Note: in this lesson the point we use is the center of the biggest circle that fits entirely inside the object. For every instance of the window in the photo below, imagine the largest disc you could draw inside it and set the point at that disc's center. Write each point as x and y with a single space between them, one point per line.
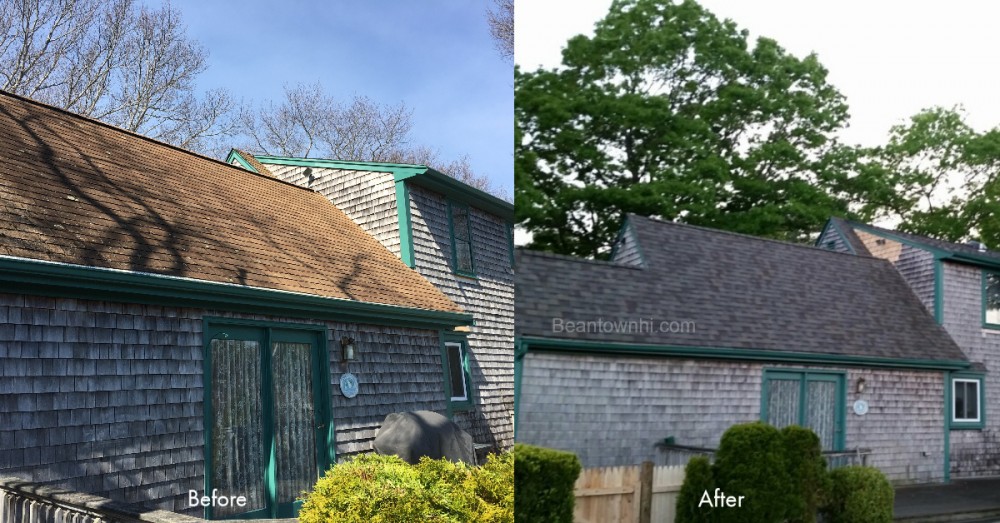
266 415
510 242
461 240
967 402
991 299
455 357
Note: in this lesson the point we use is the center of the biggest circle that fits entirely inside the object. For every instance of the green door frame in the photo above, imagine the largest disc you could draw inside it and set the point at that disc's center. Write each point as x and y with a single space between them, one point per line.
804 376
266 333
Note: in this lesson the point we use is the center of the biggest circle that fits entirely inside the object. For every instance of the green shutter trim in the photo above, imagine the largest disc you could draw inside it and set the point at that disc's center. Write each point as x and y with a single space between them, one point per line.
233 155
405 224
729 353
20 275
420 174
520 350
947 426
939 291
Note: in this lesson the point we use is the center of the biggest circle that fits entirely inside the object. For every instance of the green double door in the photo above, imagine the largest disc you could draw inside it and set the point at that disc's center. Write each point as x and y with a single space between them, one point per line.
269 421
809 399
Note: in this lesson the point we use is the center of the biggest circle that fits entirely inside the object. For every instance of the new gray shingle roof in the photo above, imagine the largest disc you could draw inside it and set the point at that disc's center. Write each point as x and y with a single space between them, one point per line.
739 291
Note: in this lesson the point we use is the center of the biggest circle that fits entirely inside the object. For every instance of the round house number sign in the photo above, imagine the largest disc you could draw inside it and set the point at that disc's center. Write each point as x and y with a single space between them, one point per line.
349 385
861 407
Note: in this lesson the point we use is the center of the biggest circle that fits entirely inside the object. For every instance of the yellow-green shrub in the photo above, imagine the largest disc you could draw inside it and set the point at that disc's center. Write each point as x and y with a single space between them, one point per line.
385 489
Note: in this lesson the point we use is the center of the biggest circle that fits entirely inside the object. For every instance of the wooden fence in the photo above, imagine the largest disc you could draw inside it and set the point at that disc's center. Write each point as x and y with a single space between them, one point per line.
638 494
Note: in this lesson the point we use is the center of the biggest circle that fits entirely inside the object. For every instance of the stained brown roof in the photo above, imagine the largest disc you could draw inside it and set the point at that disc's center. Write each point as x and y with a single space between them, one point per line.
77 191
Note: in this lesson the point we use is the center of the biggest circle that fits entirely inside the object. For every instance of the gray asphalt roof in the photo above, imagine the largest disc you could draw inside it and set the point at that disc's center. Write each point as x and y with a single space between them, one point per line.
737 291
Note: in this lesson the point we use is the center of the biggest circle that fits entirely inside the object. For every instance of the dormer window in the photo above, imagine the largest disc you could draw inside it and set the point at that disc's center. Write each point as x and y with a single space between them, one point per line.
991 299
461 240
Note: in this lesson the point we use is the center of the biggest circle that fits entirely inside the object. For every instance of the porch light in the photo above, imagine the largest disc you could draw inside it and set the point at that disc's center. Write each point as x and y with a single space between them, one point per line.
347 344
861 385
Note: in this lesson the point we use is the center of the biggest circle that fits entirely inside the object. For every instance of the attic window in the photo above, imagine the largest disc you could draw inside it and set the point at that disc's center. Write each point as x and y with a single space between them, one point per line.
461 240
831 245
991 299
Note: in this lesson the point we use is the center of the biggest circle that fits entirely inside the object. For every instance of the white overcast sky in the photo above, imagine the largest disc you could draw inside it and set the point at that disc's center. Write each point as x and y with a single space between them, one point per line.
890 58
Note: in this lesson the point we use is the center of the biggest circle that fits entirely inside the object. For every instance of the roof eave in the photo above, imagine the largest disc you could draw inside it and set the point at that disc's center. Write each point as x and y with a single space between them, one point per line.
36 277
729 353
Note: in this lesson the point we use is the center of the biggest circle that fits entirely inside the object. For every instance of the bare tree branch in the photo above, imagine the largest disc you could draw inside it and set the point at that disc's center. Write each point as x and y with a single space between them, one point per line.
501 20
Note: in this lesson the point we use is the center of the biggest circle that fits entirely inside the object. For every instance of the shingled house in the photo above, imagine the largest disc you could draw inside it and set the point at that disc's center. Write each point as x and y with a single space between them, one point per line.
960 285
687 331
460 239
171 323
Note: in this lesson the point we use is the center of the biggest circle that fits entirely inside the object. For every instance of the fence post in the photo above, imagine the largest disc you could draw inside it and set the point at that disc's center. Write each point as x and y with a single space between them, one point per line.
646 492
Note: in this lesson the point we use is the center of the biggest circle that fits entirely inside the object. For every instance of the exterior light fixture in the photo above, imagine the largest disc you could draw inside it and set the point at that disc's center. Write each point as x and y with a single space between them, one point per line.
861 385
347 344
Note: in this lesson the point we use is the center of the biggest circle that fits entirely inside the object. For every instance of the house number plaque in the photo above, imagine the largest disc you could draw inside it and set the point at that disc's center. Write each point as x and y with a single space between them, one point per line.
861 407
349 385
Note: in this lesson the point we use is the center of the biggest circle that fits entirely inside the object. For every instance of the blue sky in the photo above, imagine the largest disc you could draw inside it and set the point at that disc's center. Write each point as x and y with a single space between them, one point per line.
436 56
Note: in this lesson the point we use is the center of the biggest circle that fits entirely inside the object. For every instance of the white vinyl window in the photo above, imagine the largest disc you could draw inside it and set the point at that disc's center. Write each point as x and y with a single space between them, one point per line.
965 400
455 352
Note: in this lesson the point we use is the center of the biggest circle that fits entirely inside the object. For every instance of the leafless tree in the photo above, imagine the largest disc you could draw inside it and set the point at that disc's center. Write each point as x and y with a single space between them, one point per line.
501 19
311 123
116 61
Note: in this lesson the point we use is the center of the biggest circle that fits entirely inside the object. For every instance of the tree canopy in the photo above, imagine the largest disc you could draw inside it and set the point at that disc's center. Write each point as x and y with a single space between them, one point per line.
668 111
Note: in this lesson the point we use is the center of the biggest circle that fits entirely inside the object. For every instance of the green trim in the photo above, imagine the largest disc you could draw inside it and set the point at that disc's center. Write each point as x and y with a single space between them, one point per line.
510 241
419 174
405 224
938 291
728 353
519 351
804 376
947 426
469 402
843 238
19 275
454 252
980 378
627 227
233 155
984 285
264 333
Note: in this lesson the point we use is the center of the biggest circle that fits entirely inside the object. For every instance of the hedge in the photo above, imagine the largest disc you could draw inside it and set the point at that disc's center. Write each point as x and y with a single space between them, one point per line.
859 495
386 489
543 482
697 480
807 472
750 462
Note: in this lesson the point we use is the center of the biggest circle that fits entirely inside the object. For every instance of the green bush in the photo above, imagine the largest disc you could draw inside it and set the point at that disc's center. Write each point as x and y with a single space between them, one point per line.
697 480
386 489
807 472
543 481
750 462
859 495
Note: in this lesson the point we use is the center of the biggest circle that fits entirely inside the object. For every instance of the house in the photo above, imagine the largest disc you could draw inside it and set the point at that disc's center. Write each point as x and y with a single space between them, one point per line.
170 323
960 285
460 239
687 331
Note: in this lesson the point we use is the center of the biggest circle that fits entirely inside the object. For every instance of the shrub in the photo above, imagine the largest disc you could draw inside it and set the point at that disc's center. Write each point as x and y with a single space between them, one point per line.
750 462
807 472
697 480
543 482
386 489
859 495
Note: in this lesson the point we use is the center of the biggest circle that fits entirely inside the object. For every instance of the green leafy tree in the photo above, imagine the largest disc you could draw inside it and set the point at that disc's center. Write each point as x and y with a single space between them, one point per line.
945 177
668 111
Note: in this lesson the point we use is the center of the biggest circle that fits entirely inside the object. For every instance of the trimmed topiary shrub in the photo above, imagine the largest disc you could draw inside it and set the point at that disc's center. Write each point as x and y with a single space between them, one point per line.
750 462
386 489
859 495
543 482
697 480
807 472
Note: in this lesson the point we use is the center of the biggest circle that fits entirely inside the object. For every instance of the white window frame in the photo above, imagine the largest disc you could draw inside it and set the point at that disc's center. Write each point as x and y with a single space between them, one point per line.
461 362
979 395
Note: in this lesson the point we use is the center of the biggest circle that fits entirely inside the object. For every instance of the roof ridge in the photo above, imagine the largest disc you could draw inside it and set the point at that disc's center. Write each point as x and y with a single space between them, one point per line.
812 248
922 238
141 136
364 162
577 259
